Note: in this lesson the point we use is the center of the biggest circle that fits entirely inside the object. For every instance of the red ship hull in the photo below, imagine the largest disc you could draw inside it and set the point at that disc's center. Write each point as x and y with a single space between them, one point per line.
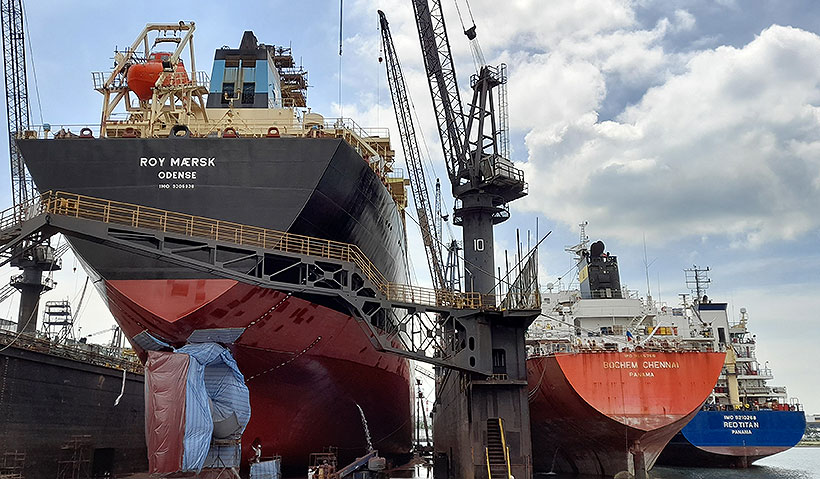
591 411
307 367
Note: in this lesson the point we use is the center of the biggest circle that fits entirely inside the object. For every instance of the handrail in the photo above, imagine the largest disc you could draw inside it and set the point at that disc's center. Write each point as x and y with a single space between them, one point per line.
506 449
115 212
89 353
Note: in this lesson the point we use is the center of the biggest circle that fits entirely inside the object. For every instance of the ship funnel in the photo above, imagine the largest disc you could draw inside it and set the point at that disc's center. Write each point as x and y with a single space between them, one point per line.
249 41
597 249
598 275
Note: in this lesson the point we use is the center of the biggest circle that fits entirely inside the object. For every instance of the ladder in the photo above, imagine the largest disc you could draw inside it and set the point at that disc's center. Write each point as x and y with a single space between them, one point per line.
497 453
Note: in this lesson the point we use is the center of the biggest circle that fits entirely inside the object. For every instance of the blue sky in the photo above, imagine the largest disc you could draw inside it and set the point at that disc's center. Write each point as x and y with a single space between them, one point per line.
692 123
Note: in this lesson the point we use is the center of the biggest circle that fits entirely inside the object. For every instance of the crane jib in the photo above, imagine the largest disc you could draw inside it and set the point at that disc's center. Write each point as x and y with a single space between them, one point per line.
412 153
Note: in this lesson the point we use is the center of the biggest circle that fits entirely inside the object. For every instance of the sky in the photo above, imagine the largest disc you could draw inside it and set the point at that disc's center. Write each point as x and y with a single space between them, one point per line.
689 129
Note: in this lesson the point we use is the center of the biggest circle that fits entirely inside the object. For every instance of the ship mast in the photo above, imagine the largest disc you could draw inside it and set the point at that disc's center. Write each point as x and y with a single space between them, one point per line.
697 280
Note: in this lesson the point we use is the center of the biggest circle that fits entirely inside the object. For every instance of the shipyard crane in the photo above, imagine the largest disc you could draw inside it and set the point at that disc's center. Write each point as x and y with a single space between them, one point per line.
430 234
452 265
17 107
471 32
34 256
116 338
437 212
9 289
483 181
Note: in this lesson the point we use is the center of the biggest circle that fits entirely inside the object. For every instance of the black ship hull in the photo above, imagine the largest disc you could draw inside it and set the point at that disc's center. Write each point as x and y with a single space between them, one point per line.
311 186
49 403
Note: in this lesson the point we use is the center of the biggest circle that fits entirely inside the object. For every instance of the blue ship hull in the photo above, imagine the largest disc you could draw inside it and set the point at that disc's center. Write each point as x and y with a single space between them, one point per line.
733 438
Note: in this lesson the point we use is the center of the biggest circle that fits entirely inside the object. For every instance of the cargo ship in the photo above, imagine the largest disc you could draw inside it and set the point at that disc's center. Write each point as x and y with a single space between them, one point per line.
745 418
609 387
68 408
242 146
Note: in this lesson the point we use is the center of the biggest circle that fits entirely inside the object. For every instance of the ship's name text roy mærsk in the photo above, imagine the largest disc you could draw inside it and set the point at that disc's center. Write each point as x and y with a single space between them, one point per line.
177 162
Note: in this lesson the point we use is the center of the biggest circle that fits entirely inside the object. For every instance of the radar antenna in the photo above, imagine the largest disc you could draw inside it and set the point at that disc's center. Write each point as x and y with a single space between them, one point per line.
697 280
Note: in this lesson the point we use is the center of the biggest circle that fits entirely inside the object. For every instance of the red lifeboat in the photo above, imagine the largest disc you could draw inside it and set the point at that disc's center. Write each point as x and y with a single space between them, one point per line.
143 76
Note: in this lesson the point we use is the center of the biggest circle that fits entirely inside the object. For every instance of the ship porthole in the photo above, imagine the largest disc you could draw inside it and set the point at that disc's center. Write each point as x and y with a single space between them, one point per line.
472 361
471 343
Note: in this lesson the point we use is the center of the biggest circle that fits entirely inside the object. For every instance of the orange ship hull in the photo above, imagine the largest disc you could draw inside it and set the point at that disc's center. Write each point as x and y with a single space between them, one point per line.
308 368
594 412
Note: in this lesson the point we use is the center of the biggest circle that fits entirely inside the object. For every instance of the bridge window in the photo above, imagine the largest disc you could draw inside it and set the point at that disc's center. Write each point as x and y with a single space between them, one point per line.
247 93
248 84
229 83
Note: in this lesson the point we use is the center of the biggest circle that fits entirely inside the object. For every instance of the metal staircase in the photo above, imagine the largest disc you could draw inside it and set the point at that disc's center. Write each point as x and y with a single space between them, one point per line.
497 453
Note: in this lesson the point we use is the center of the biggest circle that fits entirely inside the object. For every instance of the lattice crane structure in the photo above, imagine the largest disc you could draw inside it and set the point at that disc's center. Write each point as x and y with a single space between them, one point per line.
35 256
430 234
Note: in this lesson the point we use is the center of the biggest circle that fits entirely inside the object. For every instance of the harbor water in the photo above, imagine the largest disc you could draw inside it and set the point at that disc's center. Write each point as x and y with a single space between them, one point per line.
796 463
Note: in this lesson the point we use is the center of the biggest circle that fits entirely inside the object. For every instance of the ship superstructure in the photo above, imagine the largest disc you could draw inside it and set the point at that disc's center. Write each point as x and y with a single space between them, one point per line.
256 90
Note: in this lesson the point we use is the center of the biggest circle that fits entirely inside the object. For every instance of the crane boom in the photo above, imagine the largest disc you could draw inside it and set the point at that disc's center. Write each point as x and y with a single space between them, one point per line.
17 107
412 155
483 181
441 76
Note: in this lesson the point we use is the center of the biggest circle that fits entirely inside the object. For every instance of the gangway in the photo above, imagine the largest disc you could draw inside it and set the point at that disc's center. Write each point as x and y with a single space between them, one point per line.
428 324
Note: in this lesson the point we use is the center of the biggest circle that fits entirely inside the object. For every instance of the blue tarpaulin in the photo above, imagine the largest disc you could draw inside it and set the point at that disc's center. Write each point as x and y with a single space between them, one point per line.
217 401
266 470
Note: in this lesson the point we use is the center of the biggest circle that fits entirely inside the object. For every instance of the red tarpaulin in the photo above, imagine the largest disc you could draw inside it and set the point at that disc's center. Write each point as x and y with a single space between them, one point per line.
165 379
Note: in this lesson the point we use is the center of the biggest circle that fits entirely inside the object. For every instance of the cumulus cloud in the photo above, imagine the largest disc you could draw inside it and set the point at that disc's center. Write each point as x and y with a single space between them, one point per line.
729 146
636 134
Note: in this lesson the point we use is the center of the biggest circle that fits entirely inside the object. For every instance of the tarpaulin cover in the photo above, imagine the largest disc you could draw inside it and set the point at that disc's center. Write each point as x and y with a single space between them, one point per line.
191 394
215 395
266 470
165 378
223 455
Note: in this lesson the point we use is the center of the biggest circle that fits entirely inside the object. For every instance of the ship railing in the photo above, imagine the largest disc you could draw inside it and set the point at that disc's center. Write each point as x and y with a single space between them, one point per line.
55 130
350 124
107 211
98 79
433 297
247 128
194 79
370 143
757 390
10 218
93 354
538 346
